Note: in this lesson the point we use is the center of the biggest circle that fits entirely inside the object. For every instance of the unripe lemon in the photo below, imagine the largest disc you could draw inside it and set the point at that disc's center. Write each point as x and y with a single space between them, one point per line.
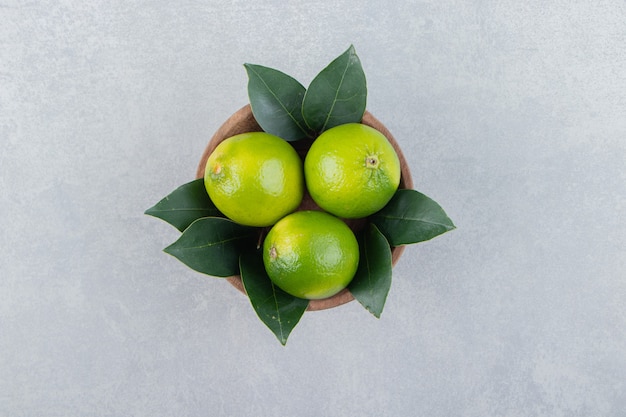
352 170
311 254
254 178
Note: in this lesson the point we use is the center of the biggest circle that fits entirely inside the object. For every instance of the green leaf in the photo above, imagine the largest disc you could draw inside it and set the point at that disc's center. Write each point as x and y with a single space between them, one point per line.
337 95
184 205
212 245
372 280
411 217
277 309
276 101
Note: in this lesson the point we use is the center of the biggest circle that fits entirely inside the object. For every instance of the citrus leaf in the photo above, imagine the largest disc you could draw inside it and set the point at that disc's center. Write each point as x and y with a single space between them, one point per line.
184 205
411 217
212 245
372 280
277 309
337 95
276 101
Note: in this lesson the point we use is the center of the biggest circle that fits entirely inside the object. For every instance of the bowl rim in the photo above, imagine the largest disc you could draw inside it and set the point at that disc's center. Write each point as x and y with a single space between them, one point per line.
243 121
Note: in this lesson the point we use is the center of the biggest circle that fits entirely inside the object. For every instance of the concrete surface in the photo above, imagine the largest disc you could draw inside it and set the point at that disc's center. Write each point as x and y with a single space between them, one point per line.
512 116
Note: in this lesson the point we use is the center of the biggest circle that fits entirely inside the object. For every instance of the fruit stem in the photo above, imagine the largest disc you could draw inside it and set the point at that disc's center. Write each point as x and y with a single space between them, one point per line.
262 234
371 161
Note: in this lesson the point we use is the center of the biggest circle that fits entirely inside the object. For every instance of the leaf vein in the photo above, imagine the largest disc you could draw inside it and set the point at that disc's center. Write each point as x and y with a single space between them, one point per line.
181 209
210 244
332 107
417 220
289 113
278 318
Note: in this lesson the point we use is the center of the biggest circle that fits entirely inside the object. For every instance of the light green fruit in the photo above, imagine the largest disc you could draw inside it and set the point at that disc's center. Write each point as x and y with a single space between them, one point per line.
254 178
352 170
311 254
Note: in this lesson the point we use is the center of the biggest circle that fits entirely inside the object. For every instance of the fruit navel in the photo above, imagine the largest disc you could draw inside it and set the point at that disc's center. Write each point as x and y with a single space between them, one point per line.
215 170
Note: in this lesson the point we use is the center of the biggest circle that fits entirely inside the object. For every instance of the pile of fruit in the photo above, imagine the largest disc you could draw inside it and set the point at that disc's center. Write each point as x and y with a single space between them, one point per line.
246 216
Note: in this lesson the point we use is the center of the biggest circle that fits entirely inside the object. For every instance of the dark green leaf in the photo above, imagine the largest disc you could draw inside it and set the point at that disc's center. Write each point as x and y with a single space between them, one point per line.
185 204
212 245
276 101
411 217
277 309
372 281
337 95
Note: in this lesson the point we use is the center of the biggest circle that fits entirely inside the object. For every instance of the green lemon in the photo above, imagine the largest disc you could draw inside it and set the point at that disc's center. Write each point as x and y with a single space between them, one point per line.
352 170
311 254
254 178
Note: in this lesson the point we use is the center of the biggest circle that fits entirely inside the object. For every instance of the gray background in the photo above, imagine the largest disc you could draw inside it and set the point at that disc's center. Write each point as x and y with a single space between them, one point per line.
512 115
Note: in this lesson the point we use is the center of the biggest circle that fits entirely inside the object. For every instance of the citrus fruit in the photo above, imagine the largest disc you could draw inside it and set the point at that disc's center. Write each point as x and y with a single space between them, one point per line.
254 178
311 254
352 170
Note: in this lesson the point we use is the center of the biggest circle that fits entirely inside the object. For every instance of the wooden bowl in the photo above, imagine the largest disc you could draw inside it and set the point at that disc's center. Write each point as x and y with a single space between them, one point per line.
243 121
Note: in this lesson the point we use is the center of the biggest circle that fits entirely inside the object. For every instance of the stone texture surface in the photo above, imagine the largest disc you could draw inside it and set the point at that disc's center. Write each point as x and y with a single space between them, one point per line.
511 115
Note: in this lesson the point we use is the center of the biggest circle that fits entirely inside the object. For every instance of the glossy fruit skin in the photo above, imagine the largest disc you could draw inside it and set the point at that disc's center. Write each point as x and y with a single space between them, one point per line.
352 170
311 254
255 178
